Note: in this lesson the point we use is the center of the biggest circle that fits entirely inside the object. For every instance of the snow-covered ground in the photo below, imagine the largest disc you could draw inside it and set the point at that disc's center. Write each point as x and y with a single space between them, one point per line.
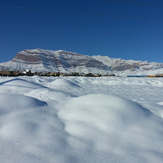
81 120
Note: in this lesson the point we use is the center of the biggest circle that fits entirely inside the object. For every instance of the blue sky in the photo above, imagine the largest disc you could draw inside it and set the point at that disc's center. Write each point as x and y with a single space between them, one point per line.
128 29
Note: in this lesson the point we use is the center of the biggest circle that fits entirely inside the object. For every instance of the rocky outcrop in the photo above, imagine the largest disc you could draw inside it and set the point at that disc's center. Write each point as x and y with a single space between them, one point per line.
27 58
48 60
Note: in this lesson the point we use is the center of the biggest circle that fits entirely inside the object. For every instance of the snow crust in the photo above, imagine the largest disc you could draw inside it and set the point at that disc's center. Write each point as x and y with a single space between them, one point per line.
81 120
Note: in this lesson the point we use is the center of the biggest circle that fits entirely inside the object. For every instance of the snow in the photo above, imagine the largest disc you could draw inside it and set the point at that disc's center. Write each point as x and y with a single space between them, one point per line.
81 120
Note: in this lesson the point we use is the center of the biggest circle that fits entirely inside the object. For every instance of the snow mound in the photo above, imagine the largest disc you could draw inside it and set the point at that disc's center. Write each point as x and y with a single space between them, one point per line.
20 83
18 102
160 103
113 126
29 132
16 120
116 107
62 83
18 86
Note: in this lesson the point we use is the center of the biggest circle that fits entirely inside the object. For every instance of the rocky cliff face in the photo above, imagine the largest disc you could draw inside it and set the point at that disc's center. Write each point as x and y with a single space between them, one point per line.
31 58
48 60
64 61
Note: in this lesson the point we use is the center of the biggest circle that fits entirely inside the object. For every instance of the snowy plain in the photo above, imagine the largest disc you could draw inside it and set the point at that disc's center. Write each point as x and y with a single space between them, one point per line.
81 120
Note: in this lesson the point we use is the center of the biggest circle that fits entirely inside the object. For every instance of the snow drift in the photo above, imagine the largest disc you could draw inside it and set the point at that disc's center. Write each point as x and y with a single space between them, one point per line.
82 120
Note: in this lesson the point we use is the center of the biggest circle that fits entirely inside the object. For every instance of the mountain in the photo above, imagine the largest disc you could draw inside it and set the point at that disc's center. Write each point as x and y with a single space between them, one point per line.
128 67
63 61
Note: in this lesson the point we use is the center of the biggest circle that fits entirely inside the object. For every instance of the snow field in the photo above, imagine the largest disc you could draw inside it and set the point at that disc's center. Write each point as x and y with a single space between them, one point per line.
78 119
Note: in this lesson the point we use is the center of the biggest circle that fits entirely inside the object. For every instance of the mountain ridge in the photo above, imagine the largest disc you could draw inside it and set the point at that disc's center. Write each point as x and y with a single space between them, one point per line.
64 61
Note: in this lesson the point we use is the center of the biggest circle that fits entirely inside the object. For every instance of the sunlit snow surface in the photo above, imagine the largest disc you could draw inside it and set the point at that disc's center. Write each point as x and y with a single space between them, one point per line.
81 120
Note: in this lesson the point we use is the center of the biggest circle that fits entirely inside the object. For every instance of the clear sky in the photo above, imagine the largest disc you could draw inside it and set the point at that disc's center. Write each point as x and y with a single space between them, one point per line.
128 29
